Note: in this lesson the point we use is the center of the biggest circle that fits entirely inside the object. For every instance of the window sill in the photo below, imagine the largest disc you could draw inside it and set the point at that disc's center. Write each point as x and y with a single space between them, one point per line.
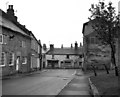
24 63
11 64
2 65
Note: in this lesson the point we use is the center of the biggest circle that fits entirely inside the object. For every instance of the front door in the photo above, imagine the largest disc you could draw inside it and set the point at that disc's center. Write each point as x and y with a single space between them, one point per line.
17 63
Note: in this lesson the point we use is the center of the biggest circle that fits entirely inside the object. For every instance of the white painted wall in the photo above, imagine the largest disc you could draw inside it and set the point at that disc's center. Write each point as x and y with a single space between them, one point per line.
63 57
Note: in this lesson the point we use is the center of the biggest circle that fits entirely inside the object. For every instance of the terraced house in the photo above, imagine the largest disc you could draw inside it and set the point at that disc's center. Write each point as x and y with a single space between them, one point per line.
36 50
15 45
64 57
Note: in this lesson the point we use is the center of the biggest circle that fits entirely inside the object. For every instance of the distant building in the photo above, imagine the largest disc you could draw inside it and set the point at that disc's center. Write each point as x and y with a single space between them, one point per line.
44 51
70 57
94 51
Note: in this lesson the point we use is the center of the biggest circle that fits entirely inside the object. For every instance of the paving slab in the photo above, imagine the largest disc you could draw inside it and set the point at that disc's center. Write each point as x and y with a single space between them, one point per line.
78 86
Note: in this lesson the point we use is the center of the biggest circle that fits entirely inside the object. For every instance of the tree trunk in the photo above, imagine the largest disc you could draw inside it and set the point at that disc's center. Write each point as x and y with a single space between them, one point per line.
113 59
106 69
94 69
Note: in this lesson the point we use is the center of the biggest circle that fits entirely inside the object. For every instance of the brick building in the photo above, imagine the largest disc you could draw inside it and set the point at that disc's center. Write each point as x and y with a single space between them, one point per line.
94 51
64 57
19 48
36 50
15 46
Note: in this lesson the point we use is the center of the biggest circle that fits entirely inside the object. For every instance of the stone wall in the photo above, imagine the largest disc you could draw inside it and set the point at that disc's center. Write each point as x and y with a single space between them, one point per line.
13 44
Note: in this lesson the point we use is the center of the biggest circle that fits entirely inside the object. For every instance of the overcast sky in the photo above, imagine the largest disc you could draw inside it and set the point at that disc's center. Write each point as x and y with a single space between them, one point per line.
53 21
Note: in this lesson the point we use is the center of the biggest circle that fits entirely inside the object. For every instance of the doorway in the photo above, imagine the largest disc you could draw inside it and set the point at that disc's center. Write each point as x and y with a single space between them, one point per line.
17 63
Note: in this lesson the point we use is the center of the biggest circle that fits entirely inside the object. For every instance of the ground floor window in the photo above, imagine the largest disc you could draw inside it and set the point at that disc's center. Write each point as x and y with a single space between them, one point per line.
24 60
11 59
53 63
68 62
1 38
2 59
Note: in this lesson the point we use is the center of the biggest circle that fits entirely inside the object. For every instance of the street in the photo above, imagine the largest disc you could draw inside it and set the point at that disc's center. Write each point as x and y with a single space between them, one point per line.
50 82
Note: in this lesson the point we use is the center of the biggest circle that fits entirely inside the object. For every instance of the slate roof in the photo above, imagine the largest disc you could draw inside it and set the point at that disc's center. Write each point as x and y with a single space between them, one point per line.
8 24
65 51
87 27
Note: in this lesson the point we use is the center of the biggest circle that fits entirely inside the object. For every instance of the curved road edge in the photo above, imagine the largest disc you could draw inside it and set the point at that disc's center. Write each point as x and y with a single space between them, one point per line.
94 89
66 83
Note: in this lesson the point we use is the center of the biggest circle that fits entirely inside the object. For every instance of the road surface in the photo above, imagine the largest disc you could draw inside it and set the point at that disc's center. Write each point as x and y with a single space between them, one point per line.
46 83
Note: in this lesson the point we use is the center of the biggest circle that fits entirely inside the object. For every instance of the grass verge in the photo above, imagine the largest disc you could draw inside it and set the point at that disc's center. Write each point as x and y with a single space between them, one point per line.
107 84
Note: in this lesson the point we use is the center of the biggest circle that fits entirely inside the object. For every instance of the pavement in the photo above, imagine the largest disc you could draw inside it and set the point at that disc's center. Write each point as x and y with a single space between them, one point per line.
94 89
78 86
19 75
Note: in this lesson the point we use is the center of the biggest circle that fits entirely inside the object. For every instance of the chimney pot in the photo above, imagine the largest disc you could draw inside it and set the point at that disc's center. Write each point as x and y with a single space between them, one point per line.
11 6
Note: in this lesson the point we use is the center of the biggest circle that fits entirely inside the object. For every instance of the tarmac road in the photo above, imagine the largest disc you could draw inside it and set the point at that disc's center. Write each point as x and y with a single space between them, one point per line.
46 83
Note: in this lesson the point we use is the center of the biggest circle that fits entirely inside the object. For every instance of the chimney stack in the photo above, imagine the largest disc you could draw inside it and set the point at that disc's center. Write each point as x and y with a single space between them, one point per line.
62 46
10 10
51 47
80 44
71 46
44 47
11 14
76 45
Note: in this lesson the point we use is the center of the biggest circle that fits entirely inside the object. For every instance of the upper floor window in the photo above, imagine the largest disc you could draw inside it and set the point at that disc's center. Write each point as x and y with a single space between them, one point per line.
11 59
33 45
1 38
23 44
38 49
92 40
2 59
